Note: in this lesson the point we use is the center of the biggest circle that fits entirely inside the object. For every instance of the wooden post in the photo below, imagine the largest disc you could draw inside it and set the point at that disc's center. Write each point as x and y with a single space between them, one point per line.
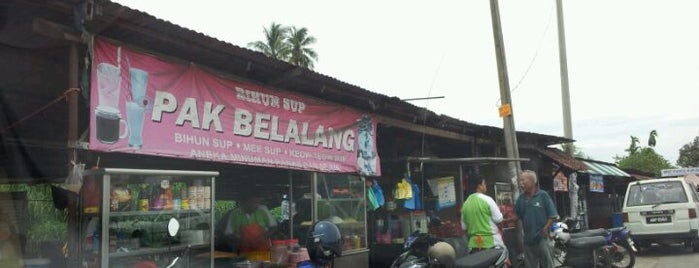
74 206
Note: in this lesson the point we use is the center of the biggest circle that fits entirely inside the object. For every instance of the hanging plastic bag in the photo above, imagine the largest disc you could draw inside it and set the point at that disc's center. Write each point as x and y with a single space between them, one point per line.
378 193
414 203
404 189
70 189
373 204
74 181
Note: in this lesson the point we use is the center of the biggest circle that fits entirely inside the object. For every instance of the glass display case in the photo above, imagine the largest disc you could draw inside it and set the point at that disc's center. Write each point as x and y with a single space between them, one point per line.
128 225
340 199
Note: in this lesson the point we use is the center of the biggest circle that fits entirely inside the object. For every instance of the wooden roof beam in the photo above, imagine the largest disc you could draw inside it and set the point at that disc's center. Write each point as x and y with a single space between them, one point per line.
422 129
55 30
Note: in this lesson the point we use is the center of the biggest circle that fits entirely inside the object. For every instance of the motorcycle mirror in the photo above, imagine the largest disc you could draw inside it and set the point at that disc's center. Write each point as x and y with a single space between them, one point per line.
173 226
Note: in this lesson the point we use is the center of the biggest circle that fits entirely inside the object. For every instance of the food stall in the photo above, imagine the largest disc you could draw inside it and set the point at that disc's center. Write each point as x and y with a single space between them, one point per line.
283 147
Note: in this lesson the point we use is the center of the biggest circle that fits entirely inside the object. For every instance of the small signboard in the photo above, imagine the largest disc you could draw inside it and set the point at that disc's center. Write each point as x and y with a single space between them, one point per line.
676 172
445 190
505 110
505 201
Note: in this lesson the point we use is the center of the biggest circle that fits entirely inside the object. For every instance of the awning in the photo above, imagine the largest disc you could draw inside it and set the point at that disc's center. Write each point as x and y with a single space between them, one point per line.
604 169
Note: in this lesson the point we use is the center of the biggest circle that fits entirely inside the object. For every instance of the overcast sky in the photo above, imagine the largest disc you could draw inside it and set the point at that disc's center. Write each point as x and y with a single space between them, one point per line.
633 65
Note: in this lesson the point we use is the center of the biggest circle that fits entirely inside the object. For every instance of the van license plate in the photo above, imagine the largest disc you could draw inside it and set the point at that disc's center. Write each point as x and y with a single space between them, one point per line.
658 219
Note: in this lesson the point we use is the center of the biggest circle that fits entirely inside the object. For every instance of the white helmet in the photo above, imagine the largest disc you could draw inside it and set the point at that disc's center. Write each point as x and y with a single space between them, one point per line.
562 236
444 253
559 227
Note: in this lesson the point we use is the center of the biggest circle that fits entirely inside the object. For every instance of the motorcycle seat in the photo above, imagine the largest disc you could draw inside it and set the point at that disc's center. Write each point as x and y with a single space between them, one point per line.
587 233
616 229
587 242
485 258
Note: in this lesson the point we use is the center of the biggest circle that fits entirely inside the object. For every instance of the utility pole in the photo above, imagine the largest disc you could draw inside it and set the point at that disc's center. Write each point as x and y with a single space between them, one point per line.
565 93
506 108
506 112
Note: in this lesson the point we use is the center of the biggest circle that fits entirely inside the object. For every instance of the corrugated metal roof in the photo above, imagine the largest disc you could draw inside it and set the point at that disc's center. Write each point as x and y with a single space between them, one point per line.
605 169
562 158
639 175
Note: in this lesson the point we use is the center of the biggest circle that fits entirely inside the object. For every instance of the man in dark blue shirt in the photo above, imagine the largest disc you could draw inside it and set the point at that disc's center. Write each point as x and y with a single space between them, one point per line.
537 212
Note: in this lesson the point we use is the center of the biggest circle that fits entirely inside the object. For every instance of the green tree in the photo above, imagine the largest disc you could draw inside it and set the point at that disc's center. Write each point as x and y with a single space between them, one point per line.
689 154
575 150
651 138
275 44
299 42
645 159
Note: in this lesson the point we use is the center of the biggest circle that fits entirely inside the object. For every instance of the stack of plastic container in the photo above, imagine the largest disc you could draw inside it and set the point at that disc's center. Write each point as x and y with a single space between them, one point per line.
297 254
280 252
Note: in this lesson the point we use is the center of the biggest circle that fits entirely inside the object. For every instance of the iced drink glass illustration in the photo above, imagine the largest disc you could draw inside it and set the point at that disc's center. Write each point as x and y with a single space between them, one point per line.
109 85
139 83
134 114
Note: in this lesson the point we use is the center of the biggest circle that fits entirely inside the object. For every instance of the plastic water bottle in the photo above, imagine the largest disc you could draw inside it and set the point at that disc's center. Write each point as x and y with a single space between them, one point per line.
285 208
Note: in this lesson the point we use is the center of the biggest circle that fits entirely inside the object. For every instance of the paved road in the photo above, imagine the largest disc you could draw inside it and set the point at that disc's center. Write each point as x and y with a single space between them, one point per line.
675 256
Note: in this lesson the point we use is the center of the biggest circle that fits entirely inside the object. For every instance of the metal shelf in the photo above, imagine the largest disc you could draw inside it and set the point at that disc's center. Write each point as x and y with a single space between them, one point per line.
156 212
341 199
155 250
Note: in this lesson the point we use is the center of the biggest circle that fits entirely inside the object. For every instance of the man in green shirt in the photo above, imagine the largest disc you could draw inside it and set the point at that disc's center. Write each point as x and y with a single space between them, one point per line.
537 212
250 225
480 216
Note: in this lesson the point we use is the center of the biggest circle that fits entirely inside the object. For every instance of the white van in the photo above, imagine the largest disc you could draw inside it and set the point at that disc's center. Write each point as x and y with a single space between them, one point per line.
662 211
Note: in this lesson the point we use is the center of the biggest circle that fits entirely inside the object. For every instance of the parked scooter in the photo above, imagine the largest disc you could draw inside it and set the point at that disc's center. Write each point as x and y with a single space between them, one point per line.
621 237
623 250
425 250
586 251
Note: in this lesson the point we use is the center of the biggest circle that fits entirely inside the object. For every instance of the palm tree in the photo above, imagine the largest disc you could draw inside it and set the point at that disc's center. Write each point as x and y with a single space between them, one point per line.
633 147
301 54
651 139
275 44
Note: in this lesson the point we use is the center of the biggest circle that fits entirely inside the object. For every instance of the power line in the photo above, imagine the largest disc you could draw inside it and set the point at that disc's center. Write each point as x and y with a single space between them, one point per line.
429 93
536 55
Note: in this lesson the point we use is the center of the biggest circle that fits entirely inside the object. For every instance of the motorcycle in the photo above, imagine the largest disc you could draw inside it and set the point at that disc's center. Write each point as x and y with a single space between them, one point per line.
425 250
581 251
623 249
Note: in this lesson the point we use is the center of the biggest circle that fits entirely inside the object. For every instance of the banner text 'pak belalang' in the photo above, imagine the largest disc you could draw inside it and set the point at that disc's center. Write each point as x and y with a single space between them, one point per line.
144 105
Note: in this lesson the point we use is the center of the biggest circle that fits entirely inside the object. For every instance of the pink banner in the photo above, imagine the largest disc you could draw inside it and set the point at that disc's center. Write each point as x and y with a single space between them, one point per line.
144 105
